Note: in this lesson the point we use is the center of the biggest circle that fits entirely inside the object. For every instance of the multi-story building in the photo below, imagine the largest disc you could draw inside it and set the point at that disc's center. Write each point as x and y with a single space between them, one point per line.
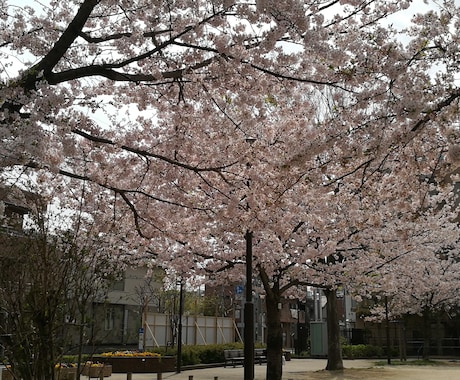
117 320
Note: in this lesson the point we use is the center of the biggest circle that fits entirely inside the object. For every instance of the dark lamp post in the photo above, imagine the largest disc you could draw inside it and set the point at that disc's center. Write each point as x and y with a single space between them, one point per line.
249 306
248 314
179 332
387 330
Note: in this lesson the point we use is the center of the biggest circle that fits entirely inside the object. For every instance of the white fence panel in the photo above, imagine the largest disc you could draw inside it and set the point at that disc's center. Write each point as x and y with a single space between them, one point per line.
157 330
196 330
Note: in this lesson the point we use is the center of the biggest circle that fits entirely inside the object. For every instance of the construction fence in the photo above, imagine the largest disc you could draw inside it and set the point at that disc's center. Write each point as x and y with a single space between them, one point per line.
162 330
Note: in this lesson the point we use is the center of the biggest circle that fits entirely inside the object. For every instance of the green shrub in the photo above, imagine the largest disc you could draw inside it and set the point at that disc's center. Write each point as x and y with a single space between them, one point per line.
69 359
361 351
202 354
190 355
211 354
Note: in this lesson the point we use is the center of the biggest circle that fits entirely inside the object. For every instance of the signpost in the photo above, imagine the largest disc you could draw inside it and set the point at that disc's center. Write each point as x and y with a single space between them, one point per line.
141 339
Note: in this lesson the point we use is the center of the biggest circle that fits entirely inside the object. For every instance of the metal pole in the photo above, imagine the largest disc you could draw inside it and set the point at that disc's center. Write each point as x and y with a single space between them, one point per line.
248 314
179 332
387 331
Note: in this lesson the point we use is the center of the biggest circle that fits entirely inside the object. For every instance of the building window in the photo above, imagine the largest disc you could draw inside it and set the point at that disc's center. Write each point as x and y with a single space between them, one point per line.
118 285
109 319
13 218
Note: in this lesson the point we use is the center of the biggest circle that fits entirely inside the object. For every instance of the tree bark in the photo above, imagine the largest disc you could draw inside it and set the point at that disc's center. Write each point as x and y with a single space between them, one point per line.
402 340
439 348
334 350
427 334
274 337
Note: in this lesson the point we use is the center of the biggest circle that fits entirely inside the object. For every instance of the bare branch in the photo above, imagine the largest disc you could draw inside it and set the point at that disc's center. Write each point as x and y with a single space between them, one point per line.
145 153
299 79
430 114
51 59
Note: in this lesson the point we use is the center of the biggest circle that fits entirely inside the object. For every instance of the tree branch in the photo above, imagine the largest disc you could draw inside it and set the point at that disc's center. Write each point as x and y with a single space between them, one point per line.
55 54
145 153
298 79
430 114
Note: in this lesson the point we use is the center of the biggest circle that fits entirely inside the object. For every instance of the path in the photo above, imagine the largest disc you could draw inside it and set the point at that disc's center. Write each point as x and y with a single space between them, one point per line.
313 369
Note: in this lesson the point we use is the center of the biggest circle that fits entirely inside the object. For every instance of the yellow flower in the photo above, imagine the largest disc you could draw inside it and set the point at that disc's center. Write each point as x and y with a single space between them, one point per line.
91 364
131 354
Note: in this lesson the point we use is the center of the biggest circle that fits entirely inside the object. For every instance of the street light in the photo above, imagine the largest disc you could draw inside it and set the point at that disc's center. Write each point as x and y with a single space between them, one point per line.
387 330
249 306
248 314
179 332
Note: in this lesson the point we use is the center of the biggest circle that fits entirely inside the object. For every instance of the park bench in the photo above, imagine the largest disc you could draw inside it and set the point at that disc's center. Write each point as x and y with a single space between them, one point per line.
236 356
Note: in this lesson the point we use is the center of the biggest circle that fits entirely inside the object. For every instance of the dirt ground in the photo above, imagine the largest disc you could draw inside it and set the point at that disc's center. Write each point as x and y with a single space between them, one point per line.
449 372
309 369
313 369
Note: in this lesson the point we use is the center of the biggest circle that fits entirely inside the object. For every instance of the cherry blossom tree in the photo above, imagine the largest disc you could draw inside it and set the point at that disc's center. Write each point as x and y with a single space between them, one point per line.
416 276
425 288
411 260
327 234
172 68
157 104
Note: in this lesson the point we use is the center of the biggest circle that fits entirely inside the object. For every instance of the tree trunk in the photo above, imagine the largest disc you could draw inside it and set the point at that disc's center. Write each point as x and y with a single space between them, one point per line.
274 338
427 334
402 340
439 348
334 349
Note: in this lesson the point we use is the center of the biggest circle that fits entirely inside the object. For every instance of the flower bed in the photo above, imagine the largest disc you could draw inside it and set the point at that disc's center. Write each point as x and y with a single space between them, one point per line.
130 354
65 373
97 370
138 362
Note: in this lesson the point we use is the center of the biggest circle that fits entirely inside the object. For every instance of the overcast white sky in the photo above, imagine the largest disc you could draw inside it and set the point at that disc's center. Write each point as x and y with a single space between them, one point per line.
399 19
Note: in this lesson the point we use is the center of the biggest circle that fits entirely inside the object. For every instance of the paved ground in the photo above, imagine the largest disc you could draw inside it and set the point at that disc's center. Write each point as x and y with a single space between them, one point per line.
313 369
